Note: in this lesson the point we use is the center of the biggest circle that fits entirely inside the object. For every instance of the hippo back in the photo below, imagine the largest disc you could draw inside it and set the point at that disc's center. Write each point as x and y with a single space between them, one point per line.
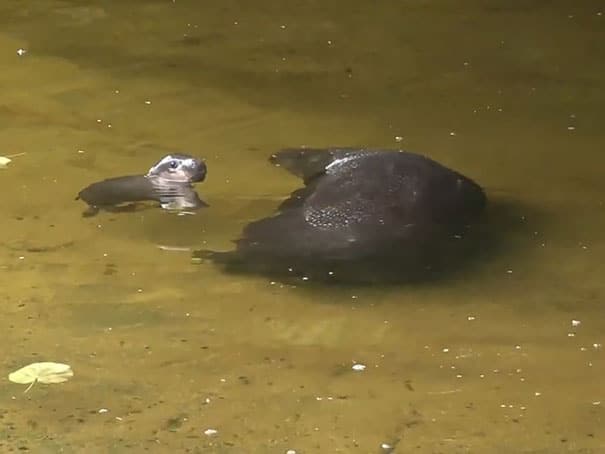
361 202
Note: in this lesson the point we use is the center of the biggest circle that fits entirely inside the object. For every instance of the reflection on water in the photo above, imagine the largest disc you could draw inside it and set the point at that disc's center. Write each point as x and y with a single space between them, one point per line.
504 357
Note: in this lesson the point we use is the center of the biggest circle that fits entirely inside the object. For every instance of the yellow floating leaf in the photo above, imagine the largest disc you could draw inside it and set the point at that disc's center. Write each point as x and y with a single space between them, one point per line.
45 372
4 161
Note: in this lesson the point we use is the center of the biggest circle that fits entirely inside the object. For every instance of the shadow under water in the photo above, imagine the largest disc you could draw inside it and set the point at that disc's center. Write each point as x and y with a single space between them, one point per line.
440 255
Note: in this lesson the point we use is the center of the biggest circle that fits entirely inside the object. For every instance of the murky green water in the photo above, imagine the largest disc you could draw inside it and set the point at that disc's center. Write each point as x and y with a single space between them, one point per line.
510 94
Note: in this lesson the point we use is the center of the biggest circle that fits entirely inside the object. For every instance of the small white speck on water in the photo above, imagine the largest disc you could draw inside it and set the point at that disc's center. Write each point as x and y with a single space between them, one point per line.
481 375
290 451
459 376
103 410
116 91
576 323
445 350
210 432
21 257
597 402
571 128
109 125
466 63
398 138
452 133
509 271
537 394
140 290
235 23
283 27
223 380
571 334
470 318
596 345
99 120
386 446
359 367
21 52
81 151
148 102
305 278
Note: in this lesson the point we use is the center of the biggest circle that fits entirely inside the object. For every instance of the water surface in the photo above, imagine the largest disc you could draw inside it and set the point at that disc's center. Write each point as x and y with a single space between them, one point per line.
490 360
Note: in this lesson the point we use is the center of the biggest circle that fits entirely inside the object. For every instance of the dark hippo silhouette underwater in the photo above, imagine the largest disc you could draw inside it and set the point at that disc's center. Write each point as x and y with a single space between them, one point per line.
362 214
169 182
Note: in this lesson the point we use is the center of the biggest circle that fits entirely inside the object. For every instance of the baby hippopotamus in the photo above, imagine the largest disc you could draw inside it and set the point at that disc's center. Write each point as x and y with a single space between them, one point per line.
367 206
169 182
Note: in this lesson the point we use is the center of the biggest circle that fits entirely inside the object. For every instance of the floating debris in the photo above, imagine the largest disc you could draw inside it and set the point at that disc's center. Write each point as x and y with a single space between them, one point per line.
44 372
5 160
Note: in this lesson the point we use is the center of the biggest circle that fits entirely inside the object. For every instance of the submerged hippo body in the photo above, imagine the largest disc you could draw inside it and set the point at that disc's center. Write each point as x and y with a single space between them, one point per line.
360 206
169 182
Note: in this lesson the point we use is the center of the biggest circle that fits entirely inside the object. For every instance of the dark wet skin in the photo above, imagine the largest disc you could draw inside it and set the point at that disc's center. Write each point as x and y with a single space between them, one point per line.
169 182
359 206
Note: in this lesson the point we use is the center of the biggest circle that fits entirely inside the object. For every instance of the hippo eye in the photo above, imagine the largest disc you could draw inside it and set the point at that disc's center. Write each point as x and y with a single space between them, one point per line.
173 164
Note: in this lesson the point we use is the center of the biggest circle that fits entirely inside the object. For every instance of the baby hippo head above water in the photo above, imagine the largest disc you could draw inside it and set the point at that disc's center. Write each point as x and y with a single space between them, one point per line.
169 182
179 168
